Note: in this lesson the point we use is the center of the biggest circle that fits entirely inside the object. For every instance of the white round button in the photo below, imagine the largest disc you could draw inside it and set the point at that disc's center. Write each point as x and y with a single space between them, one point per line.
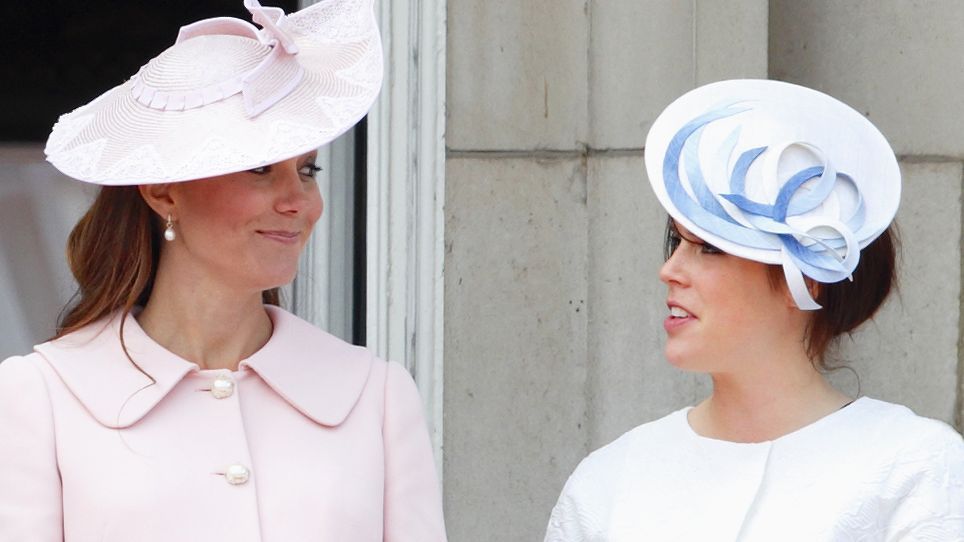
236 474
222 387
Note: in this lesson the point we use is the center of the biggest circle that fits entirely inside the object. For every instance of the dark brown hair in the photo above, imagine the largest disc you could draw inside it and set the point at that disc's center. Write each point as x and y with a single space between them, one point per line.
845 304
113 253
849 303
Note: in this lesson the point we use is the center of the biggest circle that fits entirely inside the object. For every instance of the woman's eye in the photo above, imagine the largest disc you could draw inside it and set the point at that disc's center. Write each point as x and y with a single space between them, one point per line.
672 243
260 170
310 170
707 248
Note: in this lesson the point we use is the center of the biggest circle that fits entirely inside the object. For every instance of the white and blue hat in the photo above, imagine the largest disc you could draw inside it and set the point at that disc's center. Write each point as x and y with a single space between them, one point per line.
776 173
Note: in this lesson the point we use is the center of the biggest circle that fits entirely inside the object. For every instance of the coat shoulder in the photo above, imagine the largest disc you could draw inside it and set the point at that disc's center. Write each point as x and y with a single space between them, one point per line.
24 389
23 375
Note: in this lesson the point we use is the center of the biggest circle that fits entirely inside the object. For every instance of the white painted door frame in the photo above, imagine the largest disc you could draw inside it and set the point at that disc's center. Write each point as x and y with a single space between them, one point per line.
406 194
405 220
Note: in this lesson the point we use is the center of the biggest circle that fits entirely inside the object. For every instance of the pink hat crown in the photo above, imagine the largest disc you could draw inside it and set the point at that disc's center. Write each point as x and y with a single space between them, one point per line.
201 62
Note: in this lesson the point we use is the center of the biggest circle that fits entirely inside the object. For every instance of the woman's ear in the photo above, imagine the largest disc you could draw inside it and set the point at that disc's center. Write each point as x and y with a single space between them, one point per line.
813 287
158 197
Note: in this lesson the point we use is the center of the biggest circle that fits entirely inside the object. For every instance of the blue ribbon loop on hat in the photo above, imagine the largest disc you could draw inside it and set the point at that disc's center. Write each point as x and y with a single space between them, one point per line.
814 250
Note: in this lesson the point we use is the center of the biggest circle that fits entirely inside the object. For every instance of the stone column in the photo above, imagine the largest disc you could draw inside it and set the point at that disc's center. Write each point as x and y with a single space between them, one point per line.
553 240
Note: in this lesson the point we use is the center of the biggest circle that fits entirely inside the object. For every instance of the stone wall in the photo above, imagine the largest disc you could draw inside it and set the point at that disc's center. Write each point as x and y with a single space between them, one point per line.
553 239
900 64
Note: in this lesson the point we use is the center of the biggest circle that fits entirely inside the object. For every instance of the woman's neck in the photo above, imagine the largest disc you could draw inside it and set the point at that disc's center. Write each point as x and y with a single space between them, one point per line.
204 322
766 401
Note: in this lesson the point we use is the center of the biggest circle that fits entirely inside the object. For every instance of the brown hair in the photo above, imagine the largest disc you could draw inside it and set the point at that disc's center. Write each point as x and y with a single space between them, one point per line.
113 253
849 303
845 304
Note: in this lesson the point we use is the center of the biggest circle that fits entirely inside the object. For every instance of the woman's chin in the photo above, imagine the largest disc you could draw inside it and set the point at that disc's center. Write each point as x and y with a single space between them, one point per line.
684 361
277 279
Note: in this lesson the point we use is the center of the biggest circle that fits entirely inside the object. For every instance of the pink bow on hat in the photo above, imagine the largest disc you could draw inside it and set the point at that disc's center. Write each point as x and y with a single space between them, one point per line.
269 18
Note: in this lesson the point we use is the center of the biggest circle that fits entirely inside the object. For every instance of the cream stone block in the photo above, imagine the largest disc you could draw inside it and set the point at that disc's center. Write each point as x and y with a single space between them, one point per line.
517 74
630 381
909 354
731 40
897 62
515 342
646 53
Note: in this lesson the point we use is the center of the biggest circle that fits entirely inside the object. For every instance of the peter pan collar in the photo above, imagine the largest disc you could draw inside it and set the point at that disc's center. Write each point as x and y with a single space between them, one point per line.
318 374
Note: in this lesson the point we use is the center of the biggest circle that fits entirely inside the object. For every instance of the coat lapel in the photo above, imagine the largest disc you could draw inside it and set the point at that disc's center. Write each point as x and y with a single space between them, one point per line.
93 365
318 374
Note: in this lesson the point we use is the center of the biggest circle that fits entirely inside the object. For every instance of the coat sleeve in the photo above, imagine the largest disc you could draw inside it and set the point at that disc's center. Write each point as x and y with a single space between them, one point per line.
31 504
928 486
575 517
584 509
413 503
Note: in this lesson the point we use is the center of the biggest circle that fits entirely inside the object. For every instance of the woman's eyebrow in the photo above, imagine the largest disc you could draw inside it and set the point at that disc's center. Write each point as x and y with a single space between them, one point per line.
689 239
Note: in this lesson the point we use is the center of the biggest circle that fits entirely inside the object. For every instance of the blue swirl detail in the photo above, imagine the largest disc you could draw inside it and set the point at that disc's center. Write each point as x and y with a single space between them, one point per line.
818 259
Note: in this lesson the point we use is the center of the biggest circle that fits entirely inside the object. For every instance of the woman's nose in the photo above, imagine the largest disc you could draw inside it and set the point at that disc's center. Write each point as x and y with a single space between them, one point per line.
293 192
671 271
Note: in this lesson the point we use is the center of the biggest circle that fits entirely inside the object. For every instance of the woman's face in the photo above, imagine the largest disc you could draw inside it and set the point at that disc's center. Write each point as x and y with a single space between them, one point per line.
247 229
723 309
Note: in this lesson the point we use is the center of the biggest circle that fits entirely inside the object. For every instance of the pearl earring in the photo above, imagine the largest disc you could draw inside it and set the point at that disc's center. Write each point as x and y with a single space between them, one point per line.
169 229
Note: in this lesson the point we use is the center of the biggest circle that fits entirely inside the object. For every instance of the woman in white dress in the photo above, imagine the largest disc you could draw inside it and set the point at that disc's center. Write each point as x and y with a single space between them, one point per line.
779 241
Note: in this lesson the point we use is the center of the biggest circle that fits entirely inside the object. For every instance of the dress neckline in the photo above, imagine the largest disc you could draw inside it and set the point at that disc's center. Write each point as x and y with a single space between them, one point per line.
831 418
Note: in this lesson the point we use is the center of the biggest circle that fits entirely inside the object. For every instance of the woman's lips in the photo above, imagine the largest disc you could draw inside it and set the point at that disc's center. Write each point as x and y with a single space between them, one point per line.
677 318
281 236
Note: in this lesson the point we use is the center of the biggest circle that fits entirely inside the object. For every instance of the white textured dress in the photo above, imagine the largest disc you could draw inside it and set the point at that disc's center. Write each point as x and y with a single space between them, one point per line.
872 471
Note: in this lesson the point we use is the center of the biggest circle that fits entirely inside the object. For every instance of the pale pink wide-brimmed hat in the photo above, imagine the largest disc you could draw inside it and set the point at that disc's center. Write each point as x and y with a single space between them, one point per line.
229 97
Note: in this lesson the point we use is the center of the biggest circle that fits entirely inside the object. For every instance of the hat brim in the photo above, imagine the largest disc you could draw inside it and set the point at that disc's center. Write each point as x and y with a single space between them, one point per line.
770 115
116 140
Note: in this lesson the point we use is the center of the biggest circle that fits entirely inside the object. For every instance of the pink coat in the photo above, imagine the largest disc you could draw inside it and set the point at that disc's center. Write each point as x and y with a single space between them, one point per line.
312 439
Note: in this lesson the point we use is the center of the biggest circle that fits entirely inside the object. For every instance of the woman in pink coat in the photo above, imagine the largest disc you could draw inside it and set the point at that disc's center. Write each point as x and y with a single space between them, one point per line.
178 402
